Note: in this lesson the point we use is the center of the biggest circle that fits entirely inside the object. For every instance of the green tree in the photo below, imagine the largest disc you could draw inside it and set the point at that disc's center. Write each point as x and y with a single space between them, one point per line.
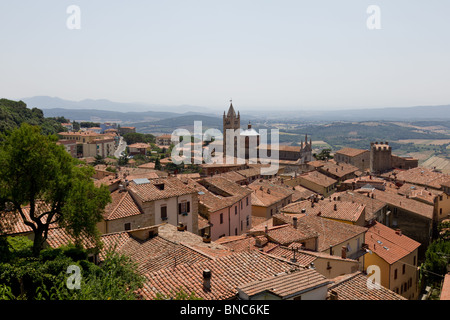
55 188
157 164
323 155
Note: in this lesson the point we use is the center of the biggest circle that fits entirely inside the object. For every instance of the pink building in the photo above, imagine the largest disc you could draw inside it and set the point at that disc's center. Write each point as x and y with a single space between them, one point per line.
226 205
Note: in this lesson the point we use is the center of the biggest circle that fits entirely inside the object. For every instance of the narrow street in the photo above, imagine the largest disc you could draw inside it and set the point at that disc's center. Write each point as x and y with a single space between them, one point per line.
120 148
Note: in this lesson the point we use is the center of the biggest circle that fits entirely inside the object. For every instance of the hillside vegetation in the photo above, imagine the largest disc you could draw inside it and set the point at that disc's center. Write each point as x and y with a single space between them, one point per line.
14 113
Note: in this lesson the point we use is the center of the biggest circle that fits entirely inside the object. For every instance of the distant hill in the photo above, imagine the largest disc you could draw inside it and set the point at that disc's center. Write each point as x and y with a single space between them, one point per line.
14 113
185 121
107 116
46 102
417 113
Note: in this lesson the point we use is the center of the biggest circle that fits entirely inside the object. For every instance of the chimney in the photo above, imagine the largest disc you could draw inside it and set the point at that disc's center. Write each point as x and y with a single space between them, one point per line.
294 219
335 207
207 280
344 252
398 232
331 250
334 295
266 229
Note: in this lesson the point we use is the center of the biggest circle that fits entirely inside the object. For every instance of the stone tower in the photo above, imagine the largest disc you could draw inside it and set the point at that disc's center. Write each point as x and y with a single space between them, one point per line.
230 121
380 157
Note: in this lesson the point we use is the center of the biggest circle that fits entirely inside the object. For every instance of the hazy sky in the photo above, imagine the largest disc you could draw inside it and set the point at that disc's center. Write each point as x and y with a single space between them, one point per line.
261 53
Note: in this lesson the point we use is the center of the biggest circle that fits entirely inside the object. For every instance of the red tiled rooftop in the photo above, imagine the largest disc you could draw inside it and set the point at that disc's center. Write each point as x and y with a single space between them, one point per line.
227 273
351 152
388 244
354 287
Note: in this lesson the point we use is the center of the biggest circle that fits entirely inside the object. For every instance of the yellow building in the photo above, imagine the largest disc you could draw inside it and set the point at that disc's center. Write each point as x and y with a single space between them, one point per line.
318 182
393 256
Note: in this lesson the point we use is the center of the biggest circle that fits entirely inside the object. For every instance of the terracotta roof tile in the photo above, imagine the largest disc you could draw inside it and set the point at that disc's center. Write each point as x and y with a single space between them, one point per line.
122 205
423 176
318 178
387 244
266 193
227 273
354 287
331 233
149 191
340 210
400 201
351 152
445 291
286 285
371 205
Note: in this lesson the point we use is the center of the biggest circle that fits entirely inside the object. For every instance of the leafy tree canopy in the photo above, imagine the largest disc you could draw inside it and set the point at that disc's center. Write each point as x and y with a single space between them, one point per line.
44 185
14 113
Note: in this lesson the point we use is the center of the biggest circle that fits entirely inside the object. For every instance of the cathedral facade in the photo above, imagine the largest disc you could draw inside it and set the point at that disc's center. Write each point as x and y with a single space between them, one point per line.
248 141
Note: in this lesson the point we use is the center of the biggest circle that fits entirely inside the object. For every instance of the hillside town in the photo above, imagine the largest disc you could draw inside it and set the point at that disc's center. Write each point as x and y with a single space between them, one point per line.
352 225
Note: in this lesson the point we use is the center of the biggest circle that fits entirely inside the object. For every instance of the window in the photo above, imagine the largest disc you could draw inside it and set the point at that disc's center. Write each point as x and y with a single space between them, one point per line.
163 213
235 231
127 226
241 204
247 201
414 263
271 212
395 274
235 210
221 218
184 207
248 221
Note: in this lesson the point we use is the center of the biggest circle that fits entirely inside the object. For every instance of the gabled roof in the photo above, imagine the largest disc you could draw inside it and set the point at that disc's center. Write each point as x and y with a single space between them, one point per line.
340 210
287 285
122 205
388 244
404 203
318 178
265 193
354 287
423 176
227 273
150 191
331 233
371 205
351 152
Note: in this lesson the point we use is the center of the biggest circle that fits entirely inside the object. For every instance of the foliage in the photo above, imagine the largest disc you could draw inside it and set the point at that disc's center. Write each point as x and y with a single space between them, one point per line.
34 171
99 160
157 164
437 258
14 113
323 155
88 124
181 294
135 137
46 277
123 160
111 169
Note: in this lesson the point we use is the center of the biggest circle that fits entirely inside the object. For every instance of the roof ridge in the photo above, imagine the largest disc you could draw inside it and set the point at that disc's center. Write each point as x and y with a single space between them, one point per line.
198 251
118 204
